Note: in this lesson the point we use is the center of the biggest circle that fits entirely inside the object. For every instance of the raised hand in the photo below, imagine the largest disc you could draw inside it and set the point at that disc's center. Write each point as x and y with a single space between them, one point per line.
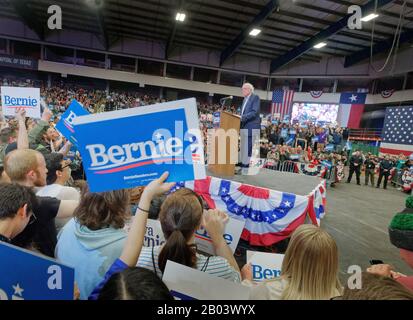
47 114
21 114
158 186
214 222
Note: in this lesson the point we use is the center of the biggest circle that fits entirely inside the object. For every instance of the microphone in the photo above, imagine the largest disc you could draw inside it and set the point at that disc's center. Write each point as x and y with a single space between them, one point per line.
226 98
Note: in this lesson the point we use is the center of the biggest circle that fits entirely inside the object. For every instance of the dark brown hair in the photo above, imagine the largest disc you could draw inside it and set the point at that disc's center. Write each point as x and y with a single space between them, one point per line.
375 287
180 216
102 210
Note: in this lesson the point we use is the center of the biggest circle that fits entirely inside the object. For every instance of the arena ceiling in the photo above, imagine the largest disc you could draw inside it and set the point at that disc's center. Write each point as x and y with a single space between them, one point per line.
290 28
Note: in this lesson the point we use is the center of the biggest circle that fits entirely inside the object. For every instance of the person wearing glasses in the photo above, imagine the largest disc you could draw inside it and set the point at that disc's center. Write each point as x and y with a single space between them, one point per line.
182 214
58 174
27 167
16 210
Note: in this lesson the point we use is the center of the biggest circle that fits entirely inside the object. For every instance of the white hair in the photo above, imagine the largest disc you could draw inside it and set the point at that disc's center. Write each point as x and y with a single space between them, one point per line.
249 85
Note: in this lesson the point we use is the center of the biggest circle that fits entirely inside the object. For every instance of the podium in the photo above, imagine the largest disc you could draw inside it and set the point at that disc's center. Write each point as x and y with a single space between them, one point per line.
223 144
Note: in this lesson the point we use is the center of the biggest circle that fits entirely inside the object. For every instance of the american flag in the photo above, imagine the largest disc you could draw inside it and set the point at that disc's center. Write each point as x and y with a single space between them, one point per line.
397 134
281 102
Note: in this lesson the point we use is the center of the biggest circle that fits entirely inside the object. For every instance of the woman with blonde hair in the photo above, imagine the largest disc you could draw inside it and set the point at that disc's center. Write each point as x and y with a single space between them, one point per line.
309 270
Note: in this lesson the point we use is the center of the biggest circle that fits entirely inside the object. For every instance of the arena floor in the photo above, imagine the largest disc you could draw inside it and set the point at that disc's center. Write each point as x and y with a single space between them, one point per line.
357 217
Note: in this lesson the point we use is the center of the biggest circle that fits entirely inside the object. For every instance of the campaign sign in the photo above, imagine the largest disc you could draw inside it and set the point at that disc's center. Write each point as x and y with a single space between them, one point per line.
326 164
232 234
186 283
28 276
265 265
217 119
154 234
65 125
13 98
132 147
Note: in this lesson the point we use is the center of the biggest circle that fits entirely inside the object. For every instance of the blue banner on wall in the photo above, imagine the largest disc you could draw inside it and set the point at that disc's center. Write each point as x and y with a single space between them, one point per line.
18 62
65 125
130 148
28 276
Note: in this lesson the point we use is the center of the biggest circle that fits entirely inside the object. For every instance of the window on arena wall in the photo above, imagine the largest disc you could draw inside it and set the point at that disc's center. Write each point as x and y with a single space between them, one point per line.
153 68
121 63
59 54
205 75
259 83
278 84
25 49
325 85
90 59
409 82
178 71
231 79
3 45
392 83
352 85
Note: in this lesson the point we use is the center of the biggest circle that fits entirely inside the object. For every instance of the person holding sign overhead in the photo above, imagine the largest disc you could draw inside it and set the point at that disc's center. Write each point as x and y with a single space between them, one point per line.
8 139
181 216
45 139
124 281
250 123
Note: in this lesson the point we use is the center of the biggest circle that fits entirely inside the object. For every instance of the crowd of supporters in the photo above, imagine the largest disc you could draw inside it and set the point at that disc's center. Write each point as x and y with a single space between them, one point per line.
39 195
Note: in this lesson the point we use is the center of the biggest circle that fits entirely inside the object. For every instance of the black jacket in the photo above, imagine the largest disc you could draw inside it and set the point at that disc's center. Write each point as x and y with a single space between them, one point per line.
386 165
356 160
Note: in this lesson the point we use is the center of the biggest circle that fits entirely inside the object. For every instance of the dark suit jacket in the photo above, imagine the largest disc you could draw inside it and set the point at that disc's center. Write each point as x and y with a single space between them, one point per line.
250 119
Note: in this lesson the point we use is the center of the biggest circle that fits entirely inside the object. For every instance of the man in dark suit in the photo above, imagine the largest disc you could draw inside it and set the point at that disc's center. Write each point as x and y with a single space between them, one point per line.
250 123
385 167
356 161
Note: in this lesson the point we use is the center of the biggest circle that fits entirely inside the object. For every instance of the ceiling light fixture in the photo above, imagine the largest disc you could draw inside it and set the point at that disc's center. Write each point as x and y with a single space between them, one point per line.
180 17
320 45
255 32
369 17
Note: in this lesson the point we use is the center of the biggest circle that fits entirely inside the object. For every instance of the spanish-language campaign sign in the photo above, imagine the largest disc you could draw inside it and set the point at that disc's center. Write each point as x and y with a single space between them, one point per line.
28 276
154 234
186 283
20 97
232 234
265 265
65 125
132 147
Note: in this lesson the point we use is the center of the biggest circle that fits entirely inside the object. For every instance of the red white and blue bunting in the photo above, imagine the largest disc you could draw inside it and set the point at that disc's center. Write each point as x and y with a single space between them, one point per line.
311 170
270 216
316 94
387 93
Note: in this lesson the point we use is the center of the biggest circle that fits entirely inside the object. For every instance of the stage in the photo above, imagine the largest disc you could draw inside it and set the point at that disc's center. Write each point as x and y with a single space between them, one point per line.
298 184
